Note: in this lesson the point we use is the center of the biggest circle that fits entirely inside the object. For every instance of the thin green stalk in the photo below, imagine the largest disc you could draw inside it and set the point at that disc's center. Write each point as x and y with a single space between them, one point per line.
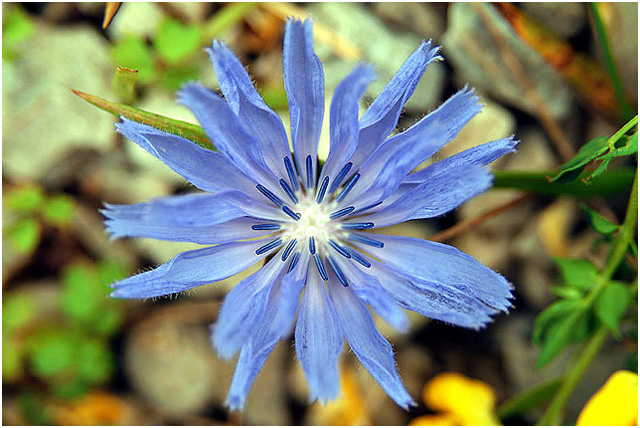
575 372
609 63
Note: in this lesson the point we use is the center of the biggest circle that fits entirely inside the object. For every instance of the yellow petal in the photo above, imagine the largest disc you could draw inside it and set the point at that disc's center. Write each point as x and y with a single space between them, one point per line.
441 420
470 401
616 403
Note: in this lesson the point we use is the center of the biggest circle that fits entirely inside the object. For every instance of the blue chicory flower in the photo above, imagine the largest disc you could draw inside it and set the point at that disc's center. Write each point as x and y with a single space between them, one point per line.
312 223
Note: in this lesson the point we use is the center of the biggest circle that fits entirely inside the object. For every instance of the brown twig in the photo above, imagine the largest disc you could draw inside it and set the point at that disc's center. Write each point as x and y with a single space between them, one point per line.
559 139
465 225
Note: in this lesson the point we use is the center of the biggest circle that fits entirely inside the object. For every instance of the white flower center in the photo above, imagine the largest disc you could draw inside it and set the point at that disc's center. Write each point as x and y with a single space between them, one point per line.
314 222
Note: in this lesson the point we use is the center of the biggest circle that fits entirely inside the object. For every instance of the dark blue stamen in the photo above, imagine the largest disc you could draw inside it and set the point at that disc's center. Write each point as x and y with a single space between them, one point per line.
357 257
293 178
339 249
265 227
287 189
312 245
288 211
365 240
342 212
294 262
270 246
323 190
367 207
338 271
320 266
347 187
309 171
289 249
273 198
341 175
357 226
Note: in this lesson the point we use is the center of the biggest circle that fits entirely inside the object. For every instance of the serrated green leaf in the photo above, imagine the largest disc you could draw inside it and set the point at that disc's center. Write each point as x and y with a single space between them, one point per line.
24 236
24 200
552 312
59 209
184 129
577 272
599 223
562 332
572 169
131 52
611 305
175 41
17 310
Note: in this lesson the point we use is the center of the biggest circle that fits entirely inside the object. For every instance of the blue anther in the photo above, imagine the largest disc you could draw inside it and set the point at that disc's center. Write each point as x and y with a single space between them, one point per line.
366 240
312 245
342 212
357 226
294 261
357 257
289 249
339 249
338 271
270 246
287 189
323 190
265 227
273 198
341 175
347 187
288 211
293 178
309 171
320 266
359 210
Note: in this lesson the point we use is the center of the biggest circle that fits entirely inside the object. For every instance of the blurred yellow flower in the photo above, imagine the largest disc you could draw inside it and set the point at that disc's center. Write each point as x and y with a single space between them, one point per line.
616 403
461 401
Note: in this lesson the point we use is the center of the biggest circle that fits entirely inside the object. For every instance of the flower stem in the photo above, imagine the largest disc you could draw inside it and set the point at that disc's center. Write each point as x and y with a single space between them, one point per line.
553 414
610 64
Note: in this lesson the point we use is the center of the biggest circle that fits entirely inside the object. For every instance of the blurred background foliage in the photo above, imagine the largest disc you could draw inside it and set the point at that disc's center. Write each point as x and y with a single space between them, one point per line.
560 223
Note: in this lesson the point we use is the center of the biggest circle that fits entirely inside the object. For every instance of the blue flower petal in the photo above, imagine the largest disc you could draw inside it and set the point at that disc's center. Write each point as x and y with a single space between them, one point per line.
445 190
343 118
373 350
383 172
256 118
275 325
304 84
226 132
381 117
438 265
482 154
318 339
243 307
191 269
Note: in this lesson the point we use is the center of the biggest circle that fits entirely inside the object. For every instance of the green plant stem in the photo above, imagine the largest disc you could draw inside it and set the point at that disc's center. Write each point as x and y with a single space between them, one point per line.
528 399
615 180
609 63
575 372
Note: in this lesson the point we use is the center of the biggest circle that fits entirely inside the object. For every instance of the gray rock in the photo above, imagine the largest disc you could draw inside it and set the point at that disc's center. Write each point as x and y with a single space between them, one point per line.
42 119
470 47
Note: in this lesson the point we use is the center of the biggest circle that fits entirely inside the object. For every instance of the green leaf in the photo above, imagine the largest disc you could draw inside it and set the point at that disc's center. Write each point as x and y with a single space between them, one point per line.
109 321
184 129
572 169
17 27
17 310
110 271
175 76
628 147
24 236
131 52
24 200
175 41
611 305
567 292
548 315
52 353
599 223
82 294
11 359
95 361
59 210
577 272
562 332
